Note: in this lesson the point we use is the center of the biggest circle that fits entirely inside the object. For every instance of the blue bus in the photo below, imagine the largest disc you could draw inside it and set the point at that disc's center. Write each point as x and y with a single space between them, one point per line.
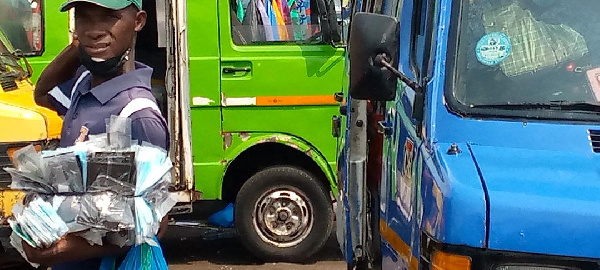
472 136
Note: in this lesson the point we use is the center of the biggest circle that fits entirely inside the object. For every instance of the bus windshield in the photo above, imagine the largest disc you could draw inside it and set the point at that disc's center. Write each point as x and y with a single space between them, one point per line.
530 55
21 23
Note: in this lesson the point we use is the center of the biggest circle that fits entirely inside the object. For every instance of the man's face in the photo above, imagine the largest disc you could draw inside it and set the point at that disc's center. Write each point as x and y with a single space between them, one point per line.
105 33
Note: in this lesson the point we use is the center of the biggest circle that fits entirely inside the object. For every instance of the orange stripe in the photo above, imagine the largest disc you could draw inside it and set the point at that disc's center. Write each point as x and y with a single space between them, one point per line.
295 100
398 244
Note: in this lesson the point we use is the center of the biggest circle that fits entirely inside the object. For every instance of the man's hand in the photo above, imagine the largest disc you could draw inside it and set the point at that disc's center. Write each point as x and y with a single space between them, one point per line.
70 248
61 69
55 253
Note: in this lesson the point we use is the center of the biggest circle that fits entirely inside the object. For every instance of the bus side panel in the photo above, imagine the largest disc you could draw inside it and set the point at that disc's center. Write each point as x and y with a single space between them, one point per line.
56 37
207 142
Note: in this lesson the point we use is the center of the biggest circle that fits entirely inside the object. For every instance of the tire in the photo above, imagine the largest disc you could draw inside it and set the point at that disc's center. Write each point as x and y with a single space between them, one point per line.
268 202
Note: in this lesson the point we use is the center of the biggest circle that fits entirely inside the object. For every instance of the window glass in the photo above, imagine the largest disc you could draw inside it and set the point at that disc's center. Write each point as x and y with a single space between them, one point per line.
274 21
528 53
21 23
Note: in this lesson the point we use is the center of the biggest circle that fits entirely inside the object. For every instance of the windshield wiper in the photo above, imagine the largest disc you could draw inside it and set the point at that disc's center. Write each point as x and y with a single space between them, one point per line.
558 105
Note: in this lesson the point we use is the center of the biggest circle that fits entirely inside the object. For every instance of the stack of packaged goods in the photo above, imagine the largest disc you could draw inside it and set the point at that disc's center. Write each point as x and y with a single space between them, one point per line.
108 189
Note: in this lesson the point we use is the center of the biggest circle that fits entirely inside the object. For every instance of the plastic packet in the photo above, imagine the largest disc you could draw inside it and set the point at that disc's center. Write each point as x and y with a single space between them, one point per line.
105 169
106 210
29 161
64 172
121 238
107 183
118 131
28 182
93 236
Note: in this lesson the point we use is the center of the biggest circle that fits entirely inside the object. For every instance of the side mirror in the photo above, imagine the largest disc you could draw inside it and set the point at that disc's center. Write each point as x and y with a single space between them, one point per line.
373 37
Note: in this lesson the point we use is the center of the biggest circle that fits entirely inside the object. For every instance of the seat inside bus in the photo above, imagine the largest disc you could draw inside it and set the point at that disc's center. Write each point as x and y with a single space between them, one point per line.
149 52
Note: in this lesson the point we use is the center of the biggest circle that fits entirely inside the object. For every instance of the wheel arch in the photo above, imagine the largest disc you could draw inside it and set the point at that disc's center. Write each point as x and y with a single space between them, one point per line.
260 151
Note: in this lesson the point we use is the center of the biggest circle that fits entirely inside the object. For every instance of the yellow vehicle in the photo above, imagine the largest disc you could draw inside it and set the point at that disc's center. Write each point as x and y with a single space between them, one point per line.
22 121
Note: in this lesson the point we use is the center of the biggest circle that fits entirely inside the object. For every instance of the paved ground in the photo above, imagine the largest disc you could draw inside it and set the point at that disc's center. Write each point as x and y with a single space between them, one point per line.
186 249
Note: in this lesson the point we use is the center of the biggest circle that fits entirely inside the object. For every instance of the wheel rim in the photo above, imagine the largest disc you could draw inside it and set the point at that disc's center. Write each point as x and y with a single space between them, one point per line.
283 217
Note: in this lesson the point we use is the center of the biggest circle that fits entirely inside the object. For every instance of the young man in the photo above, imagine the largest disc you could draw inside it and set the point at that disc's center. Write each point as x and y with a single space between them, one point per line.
90 80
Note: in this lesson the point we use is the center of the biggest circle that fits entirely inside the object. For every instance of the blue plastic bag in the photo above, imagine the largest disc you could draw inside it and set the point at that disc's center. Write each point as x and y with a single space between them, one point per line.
139 257
223 218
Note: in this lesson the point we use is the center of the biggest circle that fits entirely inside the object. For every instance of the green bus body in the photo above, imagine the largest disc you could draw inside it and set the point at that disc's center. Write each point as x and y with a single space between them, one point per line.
278 112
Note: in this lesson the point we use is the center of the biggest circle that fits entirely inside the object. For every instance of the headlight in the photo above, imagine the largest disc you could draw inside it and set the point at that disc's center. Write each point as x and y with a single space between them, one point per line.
533 267
448 261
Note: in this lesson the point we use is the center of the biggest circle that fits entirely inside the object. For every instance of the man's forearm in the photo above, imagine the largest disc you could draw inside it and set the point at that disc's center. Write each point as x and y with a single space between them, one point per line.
60 70
85 252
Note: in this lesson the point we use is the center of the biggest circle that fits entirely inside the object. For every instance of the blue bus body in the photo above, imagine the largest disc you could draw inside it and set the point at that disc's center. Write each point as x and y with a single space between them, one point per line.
501 192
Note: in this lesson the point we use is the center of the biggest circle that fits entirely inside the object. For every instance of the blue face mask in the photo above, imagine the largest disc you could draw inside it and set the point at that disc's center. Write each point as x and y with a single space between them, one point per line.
108 68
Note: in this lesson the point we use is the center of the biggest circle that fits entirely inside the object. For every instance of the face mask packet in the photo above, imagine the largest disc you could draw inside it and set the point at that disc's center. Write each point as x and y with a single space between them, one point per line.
27 182
118 131
155 174
41 222
146 222
118 165
64 172
150 166
19 232
29 161
157 194
106 210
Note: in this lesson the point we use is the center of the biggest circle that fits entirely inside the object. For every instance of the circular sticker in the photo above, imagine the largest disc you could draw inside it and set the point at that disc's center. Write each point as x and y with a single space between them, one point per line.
493 48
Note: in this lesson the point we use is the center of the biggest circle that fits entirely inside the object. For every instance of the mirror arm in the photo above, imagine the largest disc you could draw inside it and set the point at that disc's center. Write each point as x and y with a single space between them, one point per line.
381 60
417 113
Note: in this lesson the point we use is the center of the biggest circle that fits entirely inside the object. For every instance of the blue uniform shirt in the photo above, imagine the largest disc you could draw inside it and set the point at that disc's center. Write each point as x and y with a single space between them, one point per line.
83 106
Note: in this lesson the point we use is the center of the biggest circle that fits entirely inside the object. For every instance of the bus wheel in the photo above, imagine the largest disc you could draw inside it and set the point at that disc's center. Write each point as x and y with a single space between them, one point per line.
283 213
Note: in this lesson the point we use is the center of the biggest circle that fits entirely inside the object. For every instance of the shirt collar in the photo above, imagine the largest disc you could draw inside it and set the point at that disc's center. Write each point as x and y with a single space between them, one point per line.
140 77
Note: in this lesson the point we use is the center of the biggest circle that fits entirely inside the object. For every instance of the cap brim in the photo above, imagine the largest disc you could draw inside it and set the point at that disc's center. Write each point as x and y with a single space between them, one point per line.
116 5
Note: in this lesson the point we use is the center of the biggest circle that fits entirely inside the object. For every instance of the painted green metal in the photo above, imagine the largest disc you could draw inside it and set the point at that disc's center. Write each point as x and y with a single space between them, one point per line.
56 37
234 144
277 70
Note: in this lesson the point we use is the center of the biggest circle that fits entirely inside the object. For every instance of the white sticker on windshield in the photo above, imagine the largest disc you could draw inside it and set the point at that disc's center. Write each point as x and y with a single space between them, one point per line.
493 48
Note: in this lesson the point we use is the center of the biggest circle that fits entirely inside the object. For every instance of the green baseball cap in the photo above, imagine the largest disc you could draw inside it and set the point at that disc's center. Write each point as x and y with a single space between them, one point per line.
111 4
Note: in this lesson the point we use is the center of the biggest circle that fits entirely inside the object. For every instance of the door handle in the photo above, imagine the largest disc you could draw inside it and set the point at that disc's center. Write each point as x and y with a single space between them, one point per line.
231 70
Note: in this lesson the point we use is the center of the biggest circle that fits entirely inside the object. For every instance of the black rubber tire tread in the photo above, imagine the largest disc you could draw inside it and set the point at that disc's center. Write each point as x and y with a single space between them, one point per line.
299 180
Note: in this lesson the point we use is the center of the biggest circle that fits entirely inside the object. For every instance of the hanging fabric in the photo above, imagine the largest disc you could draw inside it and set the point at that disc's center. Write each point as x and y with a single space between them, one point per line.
272 19
280 20
262 10
240 12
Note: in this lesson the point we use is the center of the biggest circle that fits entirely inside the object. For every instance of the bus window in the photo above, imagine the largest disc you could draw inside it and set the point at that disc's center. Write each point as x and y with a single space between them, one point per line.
273 21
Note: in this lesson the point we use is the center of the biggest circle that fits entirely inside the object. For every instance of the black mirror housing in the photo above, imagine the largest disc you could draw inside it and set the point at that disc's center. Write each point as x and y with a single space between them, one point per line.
372 35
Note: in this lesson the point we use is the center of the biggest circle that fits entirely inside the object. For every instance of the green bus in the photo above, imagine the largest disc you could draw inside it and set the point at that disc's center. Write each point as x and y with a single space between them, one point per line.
250 103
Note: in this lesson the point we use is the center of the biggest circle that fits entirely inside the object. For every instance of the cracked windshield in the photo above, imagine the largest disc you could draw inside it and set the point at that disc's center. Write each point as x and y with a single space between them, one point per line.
528 52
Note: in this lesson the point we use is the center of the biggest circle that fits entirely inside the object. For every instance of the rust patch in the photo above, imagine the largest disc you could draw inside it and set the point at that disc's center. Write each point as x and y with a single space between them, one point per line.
227 138
245 136
309 153
293 146
224 162
285 138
